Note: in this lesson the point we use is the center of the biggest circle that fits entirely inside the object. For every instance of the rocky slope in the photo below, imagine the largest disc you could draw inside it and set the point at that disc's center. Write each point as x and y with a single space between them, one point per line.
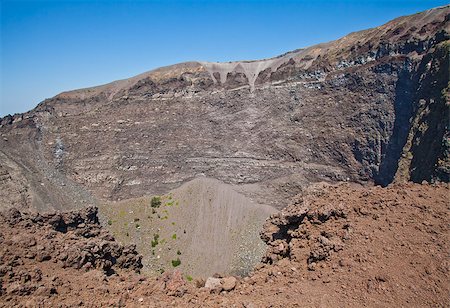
333 246
343 110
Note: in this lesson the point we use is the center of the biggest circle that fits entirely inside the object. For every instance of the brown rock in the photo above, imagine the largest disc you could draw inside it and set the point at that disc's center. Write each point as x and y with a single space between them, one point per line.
228 283
174 283
213 284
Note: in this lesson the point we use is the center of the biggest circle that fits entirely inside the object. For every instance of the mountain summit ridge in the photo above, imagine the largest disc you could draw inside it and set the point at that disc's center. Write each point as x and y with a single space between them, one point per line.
336 111
303 57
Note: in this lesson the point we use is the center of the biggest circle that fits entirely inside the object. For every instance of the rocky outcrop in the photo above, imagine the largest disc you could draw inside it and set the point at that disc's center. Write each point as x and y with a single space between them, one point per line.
303 233
326 223
66 240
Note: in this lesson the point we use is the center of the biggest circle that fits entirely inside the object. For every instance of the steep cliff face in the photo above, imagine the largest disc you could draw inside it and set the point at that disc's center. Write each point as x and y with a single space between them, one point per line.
426 155
339 111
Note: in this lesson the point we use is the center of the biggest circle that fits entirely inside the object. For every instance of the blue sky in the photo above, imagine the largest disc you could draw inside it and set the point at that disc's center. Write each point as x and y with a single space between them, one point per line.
47 47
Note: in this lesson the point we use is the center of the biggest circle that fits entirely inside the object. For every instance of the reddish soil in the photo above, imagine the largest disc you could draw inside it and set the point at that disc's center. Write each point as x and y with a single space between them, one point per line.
335 246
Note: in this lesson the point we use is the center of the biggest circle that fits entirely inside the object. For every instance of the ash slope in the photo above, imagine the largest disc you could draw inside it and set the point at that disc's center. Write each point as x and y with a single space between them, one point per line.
352 109
205 224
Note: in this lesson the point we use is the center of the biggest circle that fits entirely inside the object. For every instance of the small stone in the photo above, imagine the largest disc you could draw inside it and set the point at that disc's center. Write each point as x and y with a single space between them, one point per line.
229 283
326 280
312 266
42 256
213 284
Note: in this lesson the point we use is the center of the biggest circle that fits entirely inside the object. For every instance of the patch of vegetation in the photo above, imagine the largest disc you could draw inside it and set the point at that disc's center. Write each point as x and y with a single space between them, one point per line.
174 236
179 252
176 262
155 202
136 219
155 240
189 278
173 223
137 226
110 222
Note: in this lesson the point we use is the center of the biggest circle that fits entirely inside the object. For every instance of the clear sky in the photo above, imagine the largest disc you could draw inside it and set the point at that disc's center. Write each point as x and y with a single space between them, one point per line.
47 47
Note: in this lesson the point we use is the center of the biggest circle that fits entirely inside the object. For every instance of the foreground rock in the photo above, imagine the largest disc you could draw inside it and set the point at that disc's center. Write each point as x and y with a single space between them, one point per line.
385 246
334 246
229 283
32 241
216 285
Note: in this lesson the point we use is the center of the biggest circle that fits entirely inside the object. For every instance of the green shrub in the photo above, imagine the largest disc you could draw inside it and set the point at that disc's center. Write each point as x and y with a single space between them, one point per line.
174 236
110 222
155 241
178 252
189 278
155 202
176 262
